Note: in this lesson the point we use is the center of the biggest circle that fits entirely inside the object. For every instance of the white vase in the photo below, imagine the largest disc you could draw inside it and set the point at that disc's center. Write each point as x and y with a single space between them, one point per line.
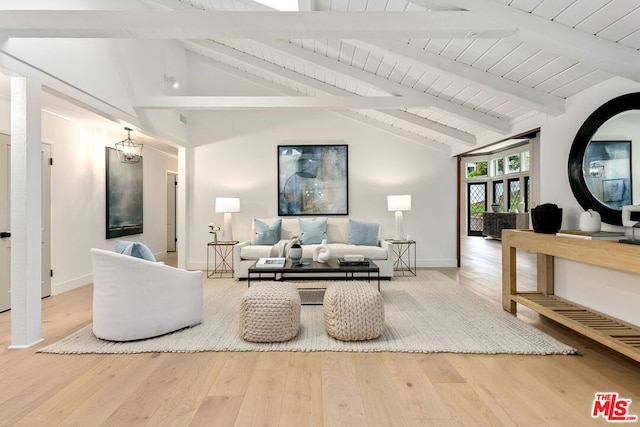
590 221
322 252
521 207
295 254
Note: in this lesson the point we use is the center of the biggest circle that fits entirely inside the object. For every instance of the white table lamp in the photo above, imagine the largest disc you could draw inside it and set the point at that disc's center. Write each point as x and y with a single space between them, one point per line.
227 205
398 204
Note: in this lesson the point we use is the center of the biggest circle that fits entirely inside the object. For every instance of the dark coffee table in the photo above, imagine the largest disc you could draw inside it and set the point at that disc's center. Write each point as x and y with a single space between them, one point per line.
309 268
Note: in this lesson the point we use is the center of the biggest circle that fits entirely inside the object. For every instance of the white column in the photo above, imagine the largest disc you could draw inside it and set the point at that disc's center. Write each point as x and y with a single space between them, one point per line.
26 215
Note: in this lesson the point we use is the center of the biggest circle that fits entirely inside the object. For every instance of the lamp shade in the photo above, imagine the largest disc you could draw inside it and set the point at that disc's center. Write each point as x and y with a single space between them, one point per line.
399 203
227 204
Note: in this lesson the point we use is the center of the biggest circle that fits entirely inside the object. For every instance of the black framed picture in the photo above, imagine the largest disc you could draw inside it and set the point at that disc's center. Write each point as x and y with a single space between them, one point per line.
607 172
124 196
313 180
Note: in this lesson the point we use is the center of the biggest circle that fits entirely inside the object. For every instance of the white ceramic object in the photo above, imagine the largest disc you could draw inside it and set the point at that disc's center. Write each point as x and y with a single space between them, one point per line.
521 207
322 252
590 221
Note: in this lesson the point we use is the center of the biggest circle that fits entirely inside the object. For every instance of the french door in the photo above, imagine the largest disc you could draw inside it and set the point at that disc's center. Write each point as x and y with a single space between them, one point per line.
477 206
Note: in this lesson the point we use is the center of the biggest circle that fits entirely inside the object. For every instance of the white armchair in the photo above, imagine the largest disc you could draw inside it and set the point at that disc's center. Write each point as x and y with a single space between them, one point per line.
135 299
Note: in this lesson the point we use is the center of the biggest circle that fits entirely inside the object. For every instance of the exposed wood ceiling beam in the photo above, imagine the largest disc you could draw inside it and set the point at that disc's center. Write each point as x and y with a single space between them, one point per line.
492 83
198 24
443 148
388 86
278 102
241 74
207 48
235 56
464 137
612 57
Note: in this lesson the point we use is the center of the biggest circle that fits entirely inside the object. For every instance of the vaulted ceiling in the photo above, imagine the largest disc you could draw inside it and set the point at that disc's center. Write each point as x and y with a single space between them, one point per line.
449 74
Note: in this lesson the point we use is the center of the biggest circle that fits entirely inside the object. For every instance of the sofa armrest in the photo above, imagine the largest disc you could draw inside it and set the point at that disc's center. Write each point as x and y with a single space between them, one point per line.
236 251
386 245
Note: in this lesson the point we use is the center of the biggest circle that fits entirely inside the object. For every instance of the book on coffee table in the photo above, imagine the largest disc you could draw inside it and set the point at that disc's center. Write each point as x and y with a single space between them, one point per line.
592 235
353 262
270 263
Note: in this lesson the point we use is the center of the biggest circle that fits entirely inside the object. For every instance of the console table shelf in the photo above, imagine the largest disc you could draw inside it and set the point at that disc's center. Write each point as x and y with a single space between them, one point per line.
614 333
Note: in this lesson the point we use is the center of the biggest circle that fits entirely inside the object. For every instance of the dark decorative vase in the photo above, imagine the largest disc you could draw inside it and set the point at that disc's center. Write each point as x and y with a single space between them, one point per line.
546 218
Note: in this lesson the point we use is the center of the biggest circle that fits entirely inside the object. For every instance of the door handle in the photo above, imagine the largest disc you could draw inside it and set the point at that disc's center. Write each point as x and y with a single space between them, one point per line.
4 234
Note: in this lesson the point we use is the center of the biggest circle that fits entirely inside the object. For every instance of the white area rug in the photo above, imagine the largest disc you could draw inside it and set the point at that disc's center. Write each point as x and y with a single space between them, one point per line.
426 314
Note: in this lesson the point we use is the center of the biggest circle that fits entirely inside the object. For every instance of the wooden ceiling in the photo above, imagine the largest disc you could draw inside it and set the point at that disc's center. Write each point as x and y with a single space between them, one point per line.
448 74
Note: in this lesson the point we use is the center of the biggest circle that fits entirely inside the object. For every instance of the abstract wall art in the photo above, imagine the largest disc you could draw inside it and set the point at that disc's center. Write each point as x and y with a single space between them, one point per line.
313 180
124 196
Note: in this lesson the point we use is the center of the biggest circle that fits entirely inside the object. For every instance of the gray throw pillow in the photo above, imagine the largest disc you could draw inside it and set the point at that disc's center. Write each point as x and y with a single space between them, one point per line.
313 231
266 234
134 249
363 233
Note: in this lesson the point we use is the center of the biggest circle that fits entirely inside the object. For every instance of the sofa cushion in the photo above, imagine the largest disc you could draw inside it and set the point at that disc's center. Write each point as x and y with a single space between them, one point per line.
363 233
338 250
266 234
313 231
135 249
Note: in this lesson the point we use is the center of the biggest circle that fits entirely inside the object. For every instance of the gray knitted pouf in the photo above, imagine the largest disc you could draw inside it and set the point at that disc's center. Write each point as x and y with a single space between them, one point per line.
270 312
353 311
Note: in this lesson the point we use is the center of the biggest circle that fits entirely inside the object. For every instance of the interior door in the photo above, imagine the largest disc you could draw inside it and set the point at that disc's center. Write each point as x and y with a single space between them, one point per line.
5 222
172 188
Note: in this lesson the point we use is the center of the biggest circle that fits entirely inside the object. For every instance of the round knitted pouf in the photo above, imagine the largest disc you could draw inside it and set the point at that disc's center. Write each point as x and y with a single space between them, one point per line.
353 311
270 312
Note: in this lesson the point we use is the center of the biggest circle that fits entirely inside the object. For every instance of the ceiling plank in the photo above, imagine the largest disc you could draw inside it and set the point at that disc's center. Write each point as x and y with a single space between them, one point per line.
612 57
199 24
388 86
505 88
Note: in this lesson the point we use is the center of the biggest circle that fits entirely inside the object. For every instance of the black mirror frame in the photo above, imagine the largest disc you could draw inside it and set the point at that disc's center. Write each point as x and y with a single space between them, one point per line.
578 185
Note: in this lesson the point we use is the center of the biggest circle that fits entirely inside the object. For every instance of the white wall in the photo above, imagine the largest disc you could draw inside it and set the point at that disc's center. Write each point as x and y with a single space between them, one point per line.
245 166
236 156
608 291
78 196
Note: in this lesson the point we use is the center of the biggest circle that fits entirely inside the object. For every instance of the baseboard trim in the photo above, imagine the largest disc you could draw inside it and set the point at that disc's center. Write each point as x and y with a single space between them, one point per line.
58 288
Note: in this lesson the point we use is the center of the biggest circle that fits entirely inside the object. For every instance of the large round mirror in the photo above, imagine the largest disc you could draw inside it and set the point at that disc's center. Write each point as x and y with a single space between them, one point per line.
603 157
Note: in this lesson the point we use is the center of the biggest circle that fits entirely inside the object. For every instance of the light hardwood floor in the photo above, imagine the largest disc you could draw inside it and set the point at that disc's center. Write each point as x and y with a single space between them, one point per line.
313 389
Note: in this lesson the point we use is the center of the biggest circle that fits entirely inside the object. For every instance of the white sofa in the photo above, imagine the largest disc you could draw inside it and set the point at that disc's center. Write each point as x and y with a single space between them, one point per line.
246 253
135 299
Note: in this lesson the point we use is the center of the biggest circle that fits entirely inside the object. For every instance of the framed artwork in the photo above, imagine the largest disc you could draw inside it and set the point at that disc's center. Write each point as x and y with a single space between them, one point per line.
124 196
607 172
313 180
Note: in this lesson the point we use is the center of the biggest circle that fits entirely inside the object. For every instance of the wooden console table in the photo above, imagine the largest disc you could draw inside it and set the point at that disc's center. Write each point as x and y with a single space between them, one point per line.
614 333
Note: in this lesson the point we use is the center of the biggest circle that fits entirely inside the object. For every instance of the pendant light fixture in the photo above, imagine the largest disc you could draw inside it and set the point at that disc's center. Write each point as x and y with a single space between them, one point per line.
129 151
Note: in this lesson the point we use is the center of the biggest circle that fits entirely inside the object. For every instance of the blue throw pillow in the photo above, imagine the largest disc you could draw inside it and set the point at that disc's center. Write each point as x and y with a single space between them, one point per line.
363 233
266 234
313 231
135 249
